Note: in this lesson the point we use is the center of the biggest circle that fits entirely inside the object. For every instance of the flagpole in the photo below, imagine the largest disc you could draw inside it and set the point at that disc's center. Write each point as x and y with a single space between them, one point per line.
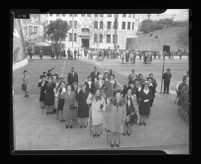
162 73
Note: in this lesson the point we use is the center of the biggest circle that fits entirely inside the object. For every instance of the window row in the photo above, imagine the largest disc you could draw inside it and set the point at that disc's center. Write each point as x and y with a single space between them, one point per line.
95 15
109 25
115 25
99 38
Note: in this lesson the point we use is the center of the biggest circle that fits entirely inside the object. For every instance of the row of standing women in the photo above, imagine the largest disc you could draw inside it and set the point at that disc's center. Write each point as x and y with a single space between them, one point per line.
100 102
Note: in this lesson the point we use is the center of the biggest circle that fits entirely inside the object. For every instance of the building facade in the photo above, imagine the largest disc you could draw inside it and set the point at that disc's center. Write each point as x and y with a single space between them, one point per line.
97 30
32 28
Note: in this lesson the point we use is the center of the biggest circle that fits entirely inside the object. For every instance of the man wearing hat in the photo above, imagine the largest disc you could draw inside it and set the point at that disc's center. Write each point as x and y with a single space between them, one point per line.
166 77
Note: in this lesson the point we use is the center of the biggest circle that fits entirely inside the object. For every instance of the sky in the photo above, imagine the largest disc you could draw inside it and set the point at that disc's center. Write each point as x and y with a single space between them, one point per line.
178 14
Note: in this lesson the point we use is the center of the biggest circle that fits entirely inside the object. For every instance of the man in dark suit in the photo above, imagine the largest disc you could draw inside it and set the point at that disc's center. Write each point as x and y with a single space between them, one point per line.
166 77
94 75
131 77
72 77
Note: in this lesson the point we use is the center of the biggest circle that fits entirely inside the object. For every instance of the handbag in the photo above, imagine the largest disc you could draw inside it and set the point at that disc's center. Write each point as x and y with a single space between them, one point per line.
23 87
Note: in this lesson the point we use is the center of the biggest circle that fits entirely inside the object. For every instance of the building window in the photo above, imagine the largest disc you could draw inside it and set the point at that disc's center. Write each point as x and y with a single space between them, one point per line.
133 26
75 37
30 30
88 15
101 38
75 15
115 25
108 38
129 15
133 15
101 15
95 38
83 15
101 25
70 37
108 25
129 26
109 15
70 15
115 39
96 24
63 15
35 30
57 15
51 15
96 15
70 24
124 15
123 25
75 24
51 21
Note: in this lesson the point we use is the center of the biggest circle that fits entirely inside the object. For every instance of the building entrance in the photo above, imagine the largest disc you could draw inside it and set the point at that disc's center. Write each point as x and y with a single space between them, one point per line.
85 43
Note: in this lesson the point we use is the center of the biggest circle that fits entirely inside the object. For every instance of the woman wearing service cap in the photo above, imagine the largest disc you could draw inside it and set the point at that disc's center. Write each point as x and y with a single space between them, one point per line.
144 103
166 77
83 107
98 104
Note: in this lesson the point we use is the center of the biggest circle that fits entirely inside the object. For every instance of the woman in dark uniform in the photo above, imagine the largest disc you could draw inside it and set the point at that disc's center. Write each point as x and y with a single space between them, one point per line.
152 90
61 90
76 90
83 107
49 95
42 86
131 112
144 103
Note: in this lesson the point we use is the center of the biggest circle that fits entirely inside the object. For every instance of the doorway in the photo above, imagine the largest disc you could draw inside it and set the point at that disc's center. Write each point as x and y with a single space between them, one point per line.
85 43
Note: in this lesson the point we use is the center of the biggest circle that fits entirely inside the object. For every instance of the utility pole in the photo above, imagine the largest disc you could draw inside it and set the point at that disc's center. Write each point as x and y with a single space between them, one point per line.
162 71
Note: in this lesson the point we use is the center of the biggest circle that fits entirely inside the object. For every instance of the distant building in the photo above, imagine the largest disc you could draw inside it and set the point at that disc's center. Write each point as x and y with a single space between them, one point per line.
32 28
97 30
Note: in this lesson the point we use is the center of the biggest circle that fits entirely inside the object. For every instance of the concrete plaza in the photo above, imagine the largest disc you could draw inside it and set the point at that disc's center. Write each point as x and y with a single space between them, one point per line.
34 130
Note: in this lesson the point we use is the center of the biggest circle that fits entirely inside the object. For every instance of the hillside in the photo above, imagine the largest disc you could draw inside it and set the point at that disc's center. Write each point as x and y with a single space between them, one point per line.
166 36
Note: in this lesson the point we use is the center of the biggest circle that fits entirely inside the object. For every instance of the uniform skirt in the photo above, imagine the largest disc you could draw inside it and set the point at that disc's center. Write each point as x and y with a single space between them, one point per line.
60 104
144 109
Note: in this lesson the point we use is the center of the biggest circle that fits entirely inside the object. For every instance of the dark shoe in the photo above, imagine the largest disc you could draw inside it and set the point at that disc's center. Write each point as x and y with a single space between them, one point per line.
48 113
117 145
144 123
81 126
111 145
140 123
71 126
98 135
94 135
128 134
66 127
124 134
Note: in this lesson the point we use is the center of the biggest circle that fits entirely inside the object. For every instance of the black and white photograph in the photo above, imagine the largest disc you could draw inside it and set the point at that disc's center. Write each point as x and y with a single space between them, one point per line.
107 80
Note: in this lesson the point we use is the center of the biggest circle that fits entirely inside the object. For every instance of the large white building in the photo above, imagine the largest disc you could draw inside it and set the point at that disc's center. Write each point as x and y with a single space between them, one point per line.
97 30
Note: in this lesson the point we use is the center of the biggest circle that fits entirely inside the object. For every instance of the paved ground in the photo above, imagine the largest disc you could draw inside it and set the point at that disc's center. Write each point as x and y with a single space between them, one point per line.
34 130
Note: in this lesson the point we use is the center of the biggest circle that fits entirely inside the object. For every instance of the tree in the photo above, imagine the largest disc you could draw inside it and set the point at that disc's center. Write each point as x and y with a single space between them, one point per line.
56 32
149 26
183 38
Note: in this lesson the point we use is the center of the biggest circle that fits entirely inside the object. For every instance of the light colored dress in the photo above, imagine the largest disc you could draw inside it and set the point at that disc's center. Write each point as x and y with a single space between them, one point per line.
96 112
